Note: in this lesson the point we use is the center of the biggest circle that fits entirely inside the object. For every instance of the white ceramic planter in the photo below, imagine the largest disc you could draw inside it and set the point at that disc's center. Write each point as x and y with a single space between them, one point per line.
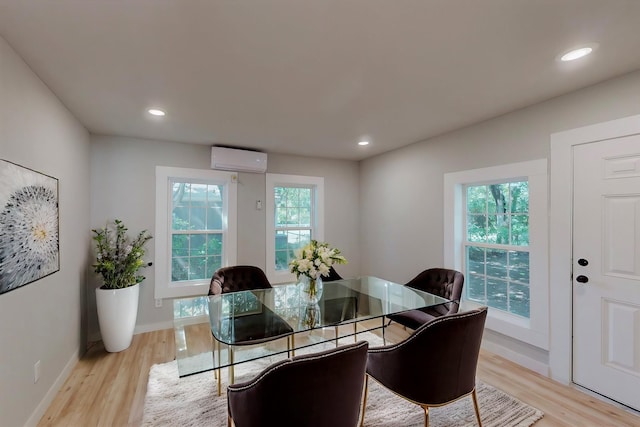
117 312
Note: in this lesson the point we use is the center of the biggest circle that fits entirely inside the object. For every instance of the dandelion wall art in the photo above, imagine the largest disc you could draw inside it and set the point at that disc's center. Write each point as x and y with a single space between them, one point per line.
29 248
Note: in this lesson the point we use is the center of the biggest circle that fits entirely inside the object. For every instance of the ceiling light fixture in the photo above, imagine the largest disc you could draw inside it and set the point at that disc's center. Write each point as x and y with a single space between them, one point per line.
156 112
578 52
363 143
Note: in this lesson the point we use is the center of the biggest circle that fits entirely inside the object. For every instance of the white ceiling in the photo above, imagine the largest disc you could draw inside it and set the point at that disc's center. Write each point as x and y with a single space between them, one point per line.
312 77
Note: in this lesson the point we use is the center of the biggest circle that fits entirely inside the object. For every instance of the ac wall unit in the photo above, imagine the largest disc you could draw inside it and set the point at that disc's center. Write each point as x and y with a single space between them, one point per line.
233 159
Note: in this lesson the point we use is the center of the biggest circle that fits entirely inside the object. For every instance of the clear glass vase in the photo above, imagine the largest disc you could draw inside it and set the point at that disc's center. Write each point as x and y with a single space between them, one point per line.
310 289
310 316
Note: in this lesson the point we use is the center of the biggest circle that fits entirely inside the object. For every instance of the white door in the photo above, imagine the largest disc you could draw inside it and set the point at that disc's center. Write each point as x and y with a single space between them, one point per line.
606 268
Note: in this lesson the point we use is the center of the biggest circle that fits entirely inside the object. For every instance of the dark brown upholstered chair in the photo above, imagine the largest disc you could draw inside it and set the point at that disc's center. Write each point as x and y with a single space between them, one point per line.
436 365
338 310
325 391
439 281
250 329
238 278
333 275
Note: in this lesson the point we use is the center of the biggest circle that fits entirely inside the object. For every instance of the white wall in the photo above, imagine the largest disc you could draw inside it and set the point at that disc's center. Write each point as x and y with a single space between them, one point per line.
123 187
402 191
42 320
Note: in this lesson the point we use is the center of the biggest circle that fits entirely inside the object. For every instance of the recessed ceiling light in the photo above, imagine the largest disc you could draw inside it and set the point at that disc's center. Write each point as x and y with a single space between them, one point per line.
363 143
156 112
578 52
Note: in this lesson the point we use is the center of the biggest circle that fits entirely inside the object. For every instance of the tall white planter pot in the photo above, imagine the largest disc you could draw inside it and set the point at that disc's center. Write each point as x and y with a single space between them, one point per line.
117 312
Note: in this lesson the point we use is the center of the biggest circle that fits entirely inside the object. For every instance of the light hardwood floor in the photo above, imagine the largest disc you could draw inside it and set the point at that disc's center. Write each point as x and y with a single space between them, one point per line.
108 389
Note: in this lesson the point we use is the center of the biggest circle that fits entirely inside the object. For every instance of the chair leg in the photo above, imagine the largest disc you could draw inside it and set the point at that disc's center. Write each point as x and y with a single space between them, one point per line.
474 396
293 345
364 398
217 374
336 329
213 357
426 416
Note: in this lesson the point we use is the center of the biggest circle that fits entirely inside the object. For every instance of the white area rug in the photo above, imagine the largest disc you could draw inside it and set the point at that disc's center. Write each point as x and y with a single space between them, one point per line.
193 401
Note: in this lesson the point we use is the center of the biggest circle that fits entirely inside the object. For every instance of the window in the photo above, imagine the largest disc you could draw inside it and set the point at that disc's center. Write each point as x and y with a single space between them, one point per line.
496 229
195 228
496 248
294 217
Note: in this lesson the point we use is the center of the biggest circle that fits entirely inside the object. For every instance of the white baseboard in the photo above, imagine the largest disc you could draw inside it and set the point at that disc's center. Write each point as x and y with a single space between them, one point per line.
139 329
520 359
42 407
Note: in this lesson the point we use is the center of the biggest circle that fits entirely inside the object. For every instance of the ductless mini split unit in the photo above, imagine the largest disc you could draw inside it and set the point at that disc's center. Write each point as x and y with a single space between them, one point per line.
233 159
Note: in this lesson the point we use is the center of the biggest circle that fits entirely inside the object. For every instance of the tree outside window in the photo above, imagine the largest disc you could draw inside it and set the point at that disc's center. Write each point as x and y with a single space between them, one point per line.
497 246
293 222
196 230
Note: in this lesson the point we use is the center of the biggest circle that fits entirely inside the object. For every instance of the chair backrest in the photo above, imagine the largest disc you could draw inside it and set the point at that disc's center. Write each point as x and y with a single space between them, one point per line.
443 282
437 363
322 390
333 275
238 278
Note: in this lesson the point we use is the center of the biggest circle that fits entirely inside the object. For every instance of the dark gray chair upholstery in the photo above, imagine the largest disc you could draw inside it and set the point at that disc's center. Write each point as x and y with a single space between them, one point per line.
436 365
323 390
443 282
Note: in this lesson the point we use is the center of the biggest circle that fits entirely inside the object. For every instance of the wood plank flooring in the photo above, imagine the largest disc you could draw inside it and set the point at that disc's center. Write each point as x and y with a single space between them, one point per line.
108 389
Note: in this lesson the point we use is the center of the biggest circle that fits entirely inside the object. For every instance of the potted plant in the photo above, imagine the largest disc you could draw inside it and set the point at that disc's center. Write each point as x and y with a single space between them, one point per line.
118 260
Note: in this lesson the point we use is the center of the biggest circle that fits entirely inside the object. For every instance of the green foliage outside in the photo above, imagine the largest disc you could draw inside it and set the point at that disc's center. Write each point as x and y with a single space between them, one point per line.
293 222
196 251
498 214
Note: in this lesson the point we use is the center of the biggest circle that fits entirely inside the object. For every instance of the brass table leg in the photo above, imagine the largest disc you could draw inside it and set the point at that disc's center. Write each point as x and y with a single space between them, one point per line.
231 370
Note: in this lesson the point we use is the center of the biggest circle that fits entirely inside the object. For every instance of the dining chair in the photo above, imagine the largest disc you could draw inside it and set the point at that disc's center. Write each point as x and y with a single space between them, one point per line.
443 282
333 275
238 278
435 365
250 329
339 310
324 389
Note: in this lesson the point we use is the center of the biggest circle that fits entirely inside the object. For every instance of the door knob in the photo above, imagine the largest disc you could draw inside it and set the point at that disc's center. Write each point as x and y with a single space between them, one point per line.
583 262
582 279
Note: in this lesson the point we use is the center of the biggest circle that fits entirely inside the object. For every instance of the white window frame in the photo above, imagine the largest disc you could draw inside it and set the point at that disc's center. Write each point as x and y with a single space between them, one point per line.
535 330
164 287
280 180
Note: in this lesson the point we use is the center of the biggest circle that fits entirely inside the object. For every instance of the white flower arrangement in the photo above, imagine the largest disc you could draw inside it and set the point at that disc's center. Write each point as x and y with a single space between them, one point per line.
315 260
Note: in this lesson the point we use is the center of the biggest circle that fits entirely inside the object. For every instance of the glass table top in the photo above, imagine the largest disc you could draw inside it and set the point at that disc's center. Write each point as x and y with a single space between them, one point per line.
253 324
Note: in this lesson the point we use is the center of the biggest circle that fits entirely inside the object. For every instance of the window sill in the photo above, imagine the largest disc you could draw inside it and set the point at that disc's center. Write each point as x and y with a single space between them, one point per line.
512 326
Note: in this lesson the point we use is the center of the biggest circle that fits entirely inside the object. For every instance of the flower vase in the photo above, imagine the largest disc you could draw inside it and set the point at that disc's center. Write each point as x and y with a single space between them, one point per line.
310 316
310 289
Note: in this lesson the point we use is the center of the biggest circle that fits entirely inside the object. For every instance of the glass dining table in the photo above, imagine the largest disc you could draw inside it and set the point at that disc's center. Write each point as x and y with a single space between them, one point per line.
249 325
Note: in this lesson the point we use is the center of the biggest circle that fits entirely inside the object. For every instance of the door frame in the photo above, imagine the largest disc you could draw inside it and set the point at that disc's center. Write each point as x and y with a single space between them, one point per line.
561 238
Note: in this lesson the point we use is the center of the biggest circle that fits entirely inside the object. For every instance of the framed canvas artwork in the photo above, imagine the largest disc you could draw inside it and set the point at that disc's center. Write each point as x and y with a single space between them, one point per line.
29 226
